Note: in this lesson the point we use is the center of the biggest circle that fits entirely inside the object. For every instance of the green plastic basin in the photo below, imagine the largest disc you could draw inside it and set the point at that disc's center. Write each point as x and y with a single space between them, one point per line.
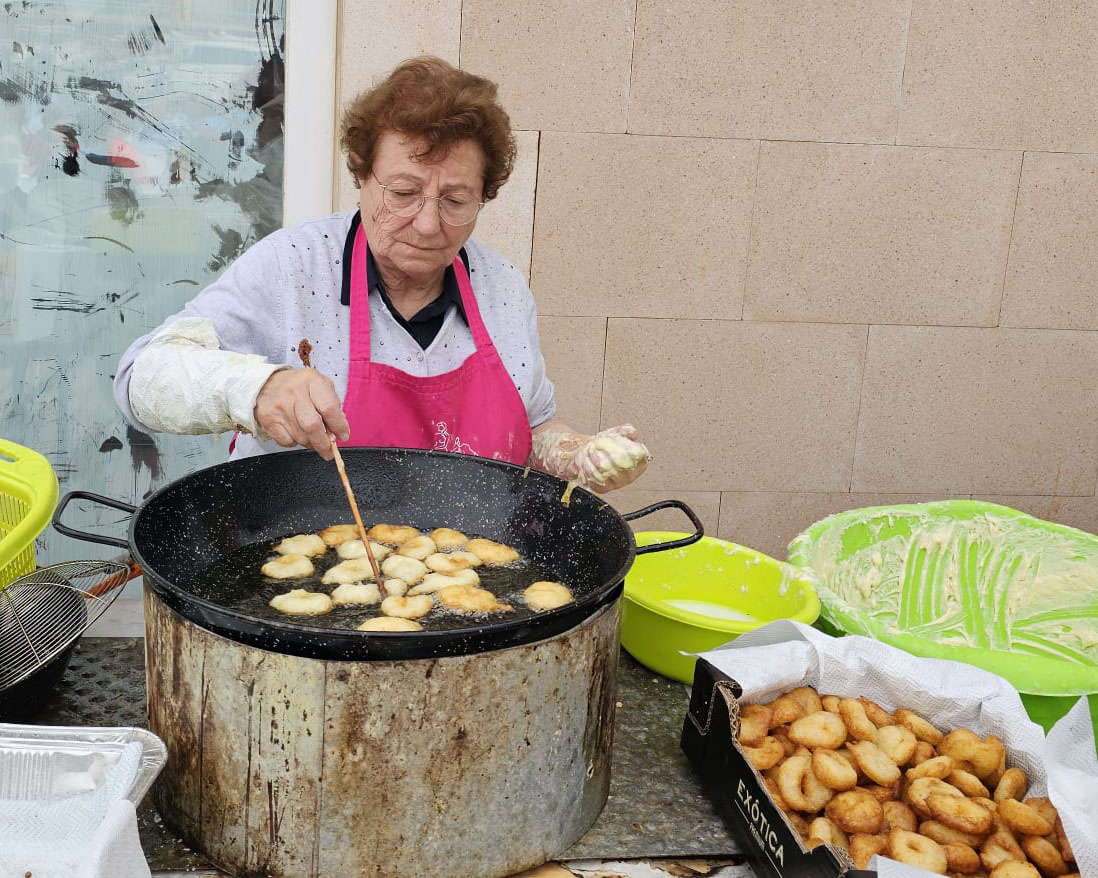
698 597
969 581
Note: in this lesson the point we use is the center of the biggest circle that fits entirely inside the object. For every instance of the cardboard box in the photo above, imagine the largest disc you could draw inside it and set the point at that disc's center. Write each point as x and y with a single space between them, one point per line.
769 843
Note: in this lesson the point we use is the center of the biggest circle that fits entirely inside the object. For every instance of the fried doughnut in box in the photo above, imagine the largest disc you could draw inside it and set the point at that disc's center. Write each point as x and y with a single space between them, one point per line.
964 745
897 815
448 538
858 726
768 754
877 714
800 788
898 742
967 783
1044 855
822 829
939 767
830 703
918 790
782 734
917 850
855 811
754 724
337 534
948 835
923 752
959 812
992 780
784 710
771 784
1014 869
1022 818
883 793
962 858
864 847
309 545
922 728
833 770
874 762
999 846
288 567
807 698
799 824
1062 840
1041 804
821 729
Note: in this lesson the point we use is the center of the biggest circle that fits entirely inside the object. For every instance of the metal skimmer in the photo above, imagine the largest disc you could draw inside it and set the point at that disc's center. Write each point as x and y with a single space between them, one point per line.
43 614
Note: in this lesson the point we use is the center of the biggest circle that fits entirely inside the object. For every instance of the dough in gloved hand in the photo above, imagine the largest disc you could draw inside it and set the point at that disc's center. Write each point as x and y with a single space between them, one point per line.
592 461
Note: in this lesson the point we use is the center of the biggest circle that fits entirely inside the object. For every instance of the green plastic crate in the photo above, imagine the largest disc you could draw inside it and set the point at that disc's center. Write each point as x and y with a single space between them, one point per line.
28 496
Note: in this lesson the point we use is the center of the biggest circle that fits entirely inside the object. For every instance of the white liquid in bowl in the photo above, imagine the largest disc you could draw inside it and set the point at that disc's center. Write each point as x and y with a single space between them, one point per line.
714 611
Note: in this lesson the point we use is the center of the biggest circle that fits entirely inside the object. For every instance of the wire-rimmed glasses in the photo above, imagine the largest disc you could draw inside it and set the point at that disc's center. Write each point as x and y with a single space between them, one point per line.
404 200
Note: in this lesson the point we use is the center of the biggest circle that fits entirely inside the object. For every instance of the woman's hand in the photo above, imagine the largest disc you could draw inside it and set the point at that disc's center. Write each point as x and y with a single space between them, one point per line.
301 407
608 460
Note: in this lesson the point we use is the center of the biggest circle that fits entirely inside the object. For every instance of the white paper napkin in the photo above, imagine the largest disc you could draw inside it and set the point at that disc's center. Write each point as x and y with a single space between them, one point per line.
786 654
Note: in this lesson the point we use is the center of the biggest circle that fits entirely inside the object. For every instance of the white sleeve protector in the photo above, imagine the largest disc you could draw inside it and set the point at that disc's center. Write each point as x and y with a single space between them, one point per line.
182 382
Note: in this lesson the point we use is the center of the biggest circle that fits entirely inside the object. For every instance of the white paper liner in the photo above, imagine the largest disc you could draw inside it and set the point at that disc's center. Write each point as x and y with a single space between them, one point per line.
1063 766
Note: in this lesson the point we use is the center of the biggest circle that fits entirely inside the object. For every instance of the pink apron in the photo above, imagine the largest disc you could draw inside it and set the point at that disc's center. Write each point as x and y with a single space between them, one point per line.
475 409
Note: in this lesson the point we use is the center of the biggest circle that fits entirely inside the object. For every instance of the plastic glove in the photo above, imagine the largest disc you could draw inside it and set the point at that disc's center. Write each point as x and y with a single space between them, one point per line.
608 460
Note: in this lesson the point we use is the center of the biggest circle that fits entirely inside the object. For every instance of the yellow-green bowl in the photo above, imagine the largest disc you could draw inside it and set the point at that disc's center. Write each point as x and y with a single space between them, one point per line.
692 599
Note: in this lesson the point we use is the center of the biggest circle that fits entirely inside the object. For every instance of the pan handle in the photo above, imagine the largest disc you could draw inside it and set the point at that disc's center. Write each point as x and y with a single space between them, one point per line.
699 531
84 535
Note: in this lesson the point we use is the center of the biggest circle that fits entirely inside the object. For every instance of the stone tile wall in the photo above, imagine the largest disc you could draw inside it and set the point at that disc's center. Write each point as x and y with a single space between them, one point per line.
823 253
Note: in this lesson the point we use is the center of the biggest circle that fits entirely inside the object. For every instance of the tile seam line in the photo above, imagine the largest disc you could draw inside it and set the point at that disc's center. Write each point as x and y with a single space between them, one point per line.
903 71
775 322
632 54
751 232
858 415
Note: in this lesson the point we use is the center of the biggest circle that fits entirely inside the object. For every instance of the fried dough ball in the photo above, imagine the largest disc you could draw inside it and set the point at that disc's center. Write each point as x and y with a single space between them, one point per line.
898 742
390 623
356 594
300 602
768 754
451 562
833 770
492 553
309 545
403 567
549 596
858 725
916 850
407 607
448 538
352 549
874 762
288 567
434 582
821 729
754 724
337 534
418 547
785 710
355 570
470 599
808 698
393 534
830 703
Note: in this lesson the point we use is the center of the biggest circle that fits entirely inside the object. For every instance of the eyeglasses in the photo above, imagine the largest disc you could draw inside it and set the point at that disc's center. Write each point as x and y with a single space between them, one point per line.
403 199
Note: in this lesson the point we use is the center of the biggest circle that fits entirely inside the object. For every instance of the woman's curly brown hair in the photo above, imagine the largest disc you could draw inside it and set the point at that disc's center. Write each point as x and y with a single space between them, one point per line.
432 101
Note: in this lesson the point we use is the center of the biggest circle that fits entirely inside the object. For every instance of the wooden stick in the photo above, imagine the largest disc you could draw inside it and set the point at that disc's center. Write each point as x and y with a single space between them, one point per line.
304 349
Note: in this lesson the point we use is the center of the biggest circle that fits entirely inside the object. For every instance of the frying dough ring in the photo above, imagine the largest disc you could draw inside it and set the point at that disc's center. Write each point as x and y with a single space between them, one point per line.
390 623
917 850
451 562
356 594
402 567
337 534
542 596
351 549
492 553
959 812
418 547
874 762
833 770
288 567
448 538
407 607
299 602
309 545
393 534
800 788
434 582
470 599
818 730
355 570
1023 818
856 811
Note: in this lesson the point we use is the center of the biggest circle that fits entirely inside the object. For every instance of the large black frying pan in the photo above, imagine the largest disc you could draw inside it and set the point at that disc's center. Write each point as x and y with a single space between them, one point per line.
187 534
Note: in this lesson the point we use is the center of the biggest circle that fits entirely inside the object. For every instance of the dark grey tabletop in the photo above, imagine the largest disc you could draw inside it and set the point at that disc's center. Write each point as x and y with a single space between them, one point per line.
657 807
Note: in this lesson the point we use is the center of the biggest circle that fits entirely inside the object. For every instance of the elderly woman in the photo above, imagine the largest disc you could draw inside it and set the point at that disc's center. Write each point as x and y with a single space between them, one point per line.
421 337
